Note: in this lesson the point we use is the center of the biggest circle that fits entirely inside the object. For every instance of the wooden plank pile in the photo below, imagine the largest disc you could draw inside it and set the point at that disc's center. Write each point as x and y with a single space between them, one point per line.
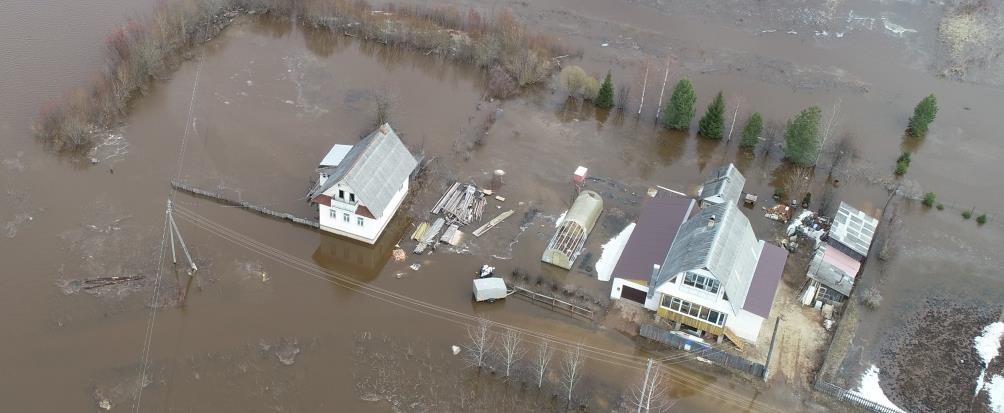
461 204
431 236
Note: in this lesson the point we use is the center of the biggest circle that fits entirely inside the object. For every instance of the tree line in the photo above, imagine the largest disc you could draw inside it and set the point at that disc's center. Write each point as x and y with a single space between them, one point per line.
803 135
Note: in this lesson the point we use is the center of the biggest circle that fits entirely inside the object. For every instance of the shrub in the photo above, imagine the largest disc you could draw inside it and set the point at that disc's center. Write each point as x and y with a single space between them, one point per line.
982 219
577 83
801 137
871 298
679 111
923 115
941 207
967 214
807 200
902 163
929 200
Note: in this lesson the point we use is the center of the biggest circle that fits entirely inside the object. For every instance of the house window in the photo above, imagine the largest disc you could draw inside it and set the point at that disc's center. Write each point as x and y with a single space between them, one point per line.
332 213
701 282
345 216
359 221
352 198
693 310
341 194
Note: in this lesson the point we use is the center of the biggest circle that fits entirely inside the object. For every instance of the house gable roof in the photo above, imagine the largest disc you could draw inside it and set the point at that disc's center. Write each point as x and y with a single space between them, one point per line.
725 182
658 224
727 248
767 275
374 168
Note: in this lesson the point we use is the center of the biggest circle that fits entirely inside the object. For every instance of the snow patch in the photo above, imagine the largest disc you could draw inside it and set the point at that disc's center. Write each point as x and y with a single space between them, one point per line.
561 218
988 346
895 28
871 390
995 388
612 251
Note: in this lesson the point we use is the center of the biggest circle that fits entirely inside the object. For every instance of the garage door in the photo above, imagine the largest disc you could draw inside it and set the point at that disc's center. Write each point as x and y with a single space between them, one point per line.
633 294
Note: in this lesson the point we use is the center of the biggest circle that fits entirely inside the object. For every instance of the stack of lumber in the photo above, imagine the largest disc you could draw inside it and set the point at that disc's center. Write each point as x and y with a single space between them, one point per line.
461 204
430 236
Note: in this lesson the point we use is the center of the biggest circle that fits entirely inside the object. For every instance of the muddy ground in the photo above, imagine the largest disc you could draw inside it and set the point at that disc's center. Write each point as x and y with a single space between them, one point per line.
272 99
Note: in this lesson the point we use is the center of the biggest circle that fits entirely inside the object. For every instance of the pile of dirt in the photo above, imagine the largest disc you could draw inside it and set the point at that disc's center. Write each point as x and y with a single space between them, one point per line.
929 364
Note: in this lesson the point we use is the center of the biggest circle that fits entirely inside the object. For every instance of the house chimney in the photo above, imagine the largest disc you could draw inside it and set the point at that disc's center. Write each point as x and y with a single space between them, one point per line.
655 271
711 221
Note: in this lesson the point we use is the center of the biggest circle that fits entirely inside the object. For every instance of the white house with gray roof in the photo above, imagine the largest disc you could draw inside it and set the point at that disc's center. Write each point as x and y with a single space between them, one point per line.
361 186
718 277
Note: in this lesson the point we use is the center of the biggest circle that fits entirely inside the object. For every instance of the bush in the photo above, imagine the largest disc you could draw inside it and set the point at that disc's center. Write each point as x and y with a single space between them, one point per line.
929 200
679 111
967 214
807 200
871 298
902 163
922 117
577 83
941 207
982 219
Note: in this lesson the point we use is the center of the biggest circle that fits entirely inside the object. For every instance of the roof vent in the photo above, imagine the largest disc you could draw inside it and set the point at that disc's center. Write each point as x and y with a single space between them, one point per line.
711 221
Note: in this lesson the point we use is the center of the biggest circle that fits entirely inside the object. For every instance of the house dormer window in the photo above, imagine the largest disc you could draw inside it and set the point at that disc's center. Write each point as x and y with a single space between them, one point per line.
352 198
701 282
341 194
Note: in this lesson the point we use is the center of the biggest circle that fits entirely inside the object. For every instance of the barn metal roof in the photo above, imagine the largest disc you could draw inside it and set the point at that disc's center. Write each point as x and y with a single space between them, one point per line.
725 183
834 269
853 228
374 168
658 224
720 240
769 268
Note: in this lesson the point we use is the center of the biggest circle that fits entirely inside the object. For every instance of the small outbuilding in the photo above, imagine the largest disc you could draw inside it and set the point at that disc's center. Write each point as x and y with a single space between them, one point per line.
724 186
567 242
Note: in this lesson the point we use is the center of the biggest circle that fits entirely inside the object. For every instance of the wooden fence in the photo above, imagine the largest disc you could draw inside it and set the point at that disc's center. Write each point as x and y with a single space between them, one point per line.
851 398
703 350
223 199
554 303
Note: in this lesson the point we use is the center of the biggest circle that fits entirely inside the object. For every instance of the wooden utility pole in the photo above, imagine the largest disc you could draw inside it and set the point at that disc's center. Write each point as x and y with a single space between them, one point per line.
177 233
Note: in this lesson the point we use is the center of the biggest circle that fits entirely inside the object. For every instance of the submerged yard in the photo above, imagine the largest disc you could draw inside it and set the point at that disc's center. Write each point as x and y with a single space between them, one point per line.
280 317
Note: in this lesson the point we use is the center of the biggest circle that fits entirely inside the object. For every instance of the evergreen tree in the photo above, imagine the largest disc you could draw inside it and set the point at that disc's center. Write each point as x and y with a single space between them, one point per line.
751 133
711 123
605 97
680 109
801 137
923 115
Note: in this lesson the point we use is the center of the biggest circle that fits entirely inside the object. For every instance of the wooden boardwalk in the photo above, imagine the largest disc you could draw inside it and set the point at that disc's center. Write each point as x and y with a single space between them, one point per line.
223 199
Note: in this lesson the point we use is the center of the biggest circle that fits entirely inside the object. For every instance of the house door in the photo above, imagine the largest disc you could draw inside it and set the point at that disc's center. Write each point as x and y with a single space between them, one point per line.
633 294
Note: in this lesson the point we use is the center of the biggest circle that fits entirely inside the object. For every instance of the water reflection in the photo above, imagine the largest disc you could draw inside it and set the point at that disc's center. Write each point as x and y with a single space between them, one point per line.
359 259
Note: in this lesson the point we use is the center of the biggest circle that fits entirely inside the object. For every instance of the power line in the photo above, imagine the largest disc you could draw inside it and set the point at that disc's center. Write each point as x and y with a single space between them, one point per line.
310 269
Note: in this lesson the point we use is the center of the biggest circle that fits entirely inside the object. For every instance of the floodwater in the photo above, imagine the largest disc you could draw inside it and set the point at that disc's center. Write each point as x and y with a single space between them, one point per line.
261 329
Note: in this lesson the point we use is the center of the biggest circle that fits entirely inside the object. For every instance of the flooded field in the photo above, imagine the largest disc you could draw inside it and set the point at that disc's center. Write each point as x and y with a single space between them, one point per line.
280 317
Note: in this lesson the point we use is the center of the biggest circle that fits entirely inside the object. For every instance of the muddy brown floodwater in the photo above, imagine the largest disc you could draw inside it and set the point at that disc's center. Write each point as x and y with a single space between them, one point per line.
272 326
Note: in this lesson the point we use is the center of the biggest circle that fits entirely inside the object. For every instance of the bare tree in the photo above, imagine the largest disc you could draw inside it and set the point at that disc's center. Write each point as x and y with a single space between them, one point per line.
652 394
571 371
623 96
841 154
384 102
541 360
798 181
512 350
479 344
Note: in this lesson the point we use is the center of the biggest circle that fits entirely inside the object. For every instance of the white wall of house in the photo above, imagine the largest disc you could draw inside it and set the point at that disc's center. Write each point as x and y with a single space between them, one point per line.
340 218
746 325
651 303
713 301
